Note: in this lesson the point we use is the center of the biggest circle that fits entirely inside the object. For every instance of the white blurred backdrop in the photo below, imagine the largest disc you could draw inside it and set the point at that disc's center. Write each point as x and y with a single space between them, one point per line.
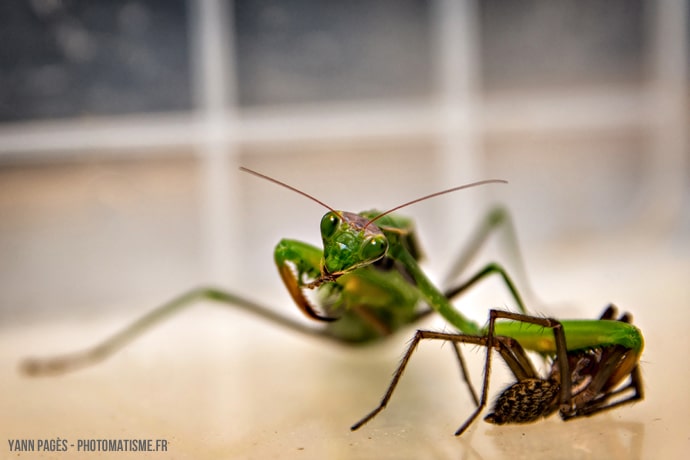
123 126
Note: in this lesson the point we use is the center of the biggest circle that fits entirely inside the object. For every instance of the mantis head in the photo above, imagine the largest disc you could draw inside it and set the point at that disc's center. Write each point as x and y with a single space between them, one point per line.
350 241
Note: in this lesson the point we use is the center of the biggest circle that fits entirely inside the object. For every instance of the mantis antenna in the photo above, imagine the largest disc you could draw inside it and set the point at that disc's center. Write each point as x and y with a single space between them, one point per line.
289 187
417 200
433 195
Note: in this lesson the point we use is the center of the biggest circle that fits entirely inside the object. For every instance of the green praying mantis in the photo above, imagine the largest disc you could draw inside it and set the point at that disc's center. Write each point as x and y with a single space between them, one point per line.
366 283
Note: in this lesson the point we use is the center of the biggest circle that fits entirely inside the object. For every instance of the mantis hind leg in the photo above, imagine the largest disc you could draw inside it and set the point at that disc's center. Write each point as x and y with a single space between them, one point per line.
496 219
490 269
83 358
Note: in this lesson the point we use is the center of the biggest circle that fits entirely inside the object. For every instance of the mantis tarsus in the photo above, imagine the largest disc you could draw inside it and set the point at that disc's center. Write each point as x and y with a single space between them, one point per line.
368 284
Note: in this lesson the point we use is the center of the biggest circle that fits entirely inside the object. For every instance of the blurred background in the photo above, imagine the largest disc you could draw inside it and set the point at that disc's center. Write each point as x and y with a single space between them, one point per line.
122 125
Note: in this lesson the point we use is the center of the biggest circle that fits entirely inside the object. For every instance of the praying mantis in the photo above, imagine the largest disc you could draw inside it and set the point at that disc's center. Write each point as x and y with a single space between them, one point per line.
366 283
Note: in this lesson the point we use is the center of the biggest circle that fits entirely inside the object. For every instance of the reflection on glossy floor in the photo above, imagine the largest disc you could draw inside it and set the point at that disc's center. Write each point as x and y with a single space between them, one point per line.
219 384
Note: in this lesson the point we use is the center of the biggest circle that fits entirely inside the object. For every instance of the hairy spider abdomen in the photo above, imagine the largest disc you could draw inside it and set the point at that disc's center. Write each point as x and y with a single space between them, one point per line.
524 402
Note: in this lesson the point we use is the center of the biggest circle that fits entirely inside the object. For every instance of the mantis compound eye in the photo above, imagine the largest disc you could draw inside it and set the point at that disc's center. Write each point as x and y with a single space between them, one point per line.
329 224
375 248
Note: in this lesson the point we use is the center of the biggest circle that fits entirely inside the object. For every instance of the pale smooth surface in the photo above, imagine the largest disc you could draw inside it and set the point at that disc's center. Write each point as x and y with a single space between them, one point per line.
220 384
